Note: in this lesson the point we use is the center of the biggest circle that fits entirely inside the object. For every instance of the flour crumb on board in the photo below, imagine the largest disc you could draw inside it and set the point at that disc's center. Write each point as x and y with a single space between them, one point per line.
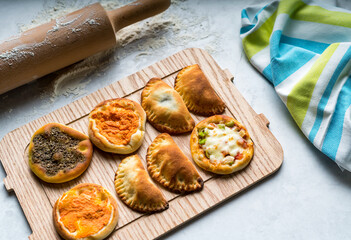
140 40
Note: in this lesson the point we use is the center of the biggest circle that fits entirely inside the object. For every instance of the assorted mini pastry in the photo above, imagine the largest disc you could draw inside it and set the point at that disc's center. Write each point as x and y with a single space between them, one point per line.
136 189
58 153
220 144
87 211
117 125
169 166
197 92
165 109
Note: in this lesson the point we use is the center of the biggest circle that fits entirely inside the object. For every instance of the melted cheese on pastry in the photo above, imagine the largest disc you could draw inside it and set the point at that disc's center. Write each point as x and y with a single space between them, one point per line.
221 144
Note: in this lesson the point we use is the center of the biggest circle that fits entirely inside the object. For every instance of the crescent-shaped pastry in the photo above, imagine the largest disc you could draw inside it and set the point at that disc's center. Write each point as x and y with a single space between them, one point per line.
197 92
135 187
165 109
169 166
220 144
87 211
117 125
58 153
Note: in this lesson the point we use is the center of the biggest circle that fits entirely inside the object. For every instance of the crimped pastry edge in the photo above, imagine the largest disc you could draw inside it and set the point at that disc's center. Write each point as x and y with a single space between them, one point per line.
190 105
134 205
181 188
163 126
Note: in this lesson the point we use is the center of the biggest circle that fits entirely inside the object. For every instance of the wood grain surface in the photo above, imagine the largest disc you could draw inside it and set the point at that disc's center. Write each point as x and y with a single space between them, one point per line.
37 197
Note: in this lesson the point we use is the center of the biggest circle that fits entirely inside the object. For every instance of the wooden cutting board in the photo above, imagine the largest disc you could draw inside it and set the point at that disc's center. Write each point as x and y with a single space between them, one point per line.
37 198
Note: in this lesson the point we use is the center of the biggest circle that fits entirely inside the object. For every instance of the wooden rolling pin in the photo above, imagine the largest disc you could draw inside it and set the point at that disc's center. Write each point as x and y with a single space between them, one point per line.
67 40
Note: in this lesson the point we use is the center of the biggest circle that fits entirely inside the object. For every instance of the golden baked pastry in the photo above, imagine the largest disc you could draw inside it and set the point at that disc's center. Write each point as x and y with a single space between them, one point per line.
197 92
165 109
58 153
220 144
169 166
117 125
87 211
135 187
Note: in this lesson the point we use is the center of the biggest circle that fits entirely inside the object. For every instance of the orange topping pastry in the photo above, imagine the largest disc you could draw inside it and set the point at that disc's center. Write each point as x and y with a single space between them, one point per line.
85 211
117 124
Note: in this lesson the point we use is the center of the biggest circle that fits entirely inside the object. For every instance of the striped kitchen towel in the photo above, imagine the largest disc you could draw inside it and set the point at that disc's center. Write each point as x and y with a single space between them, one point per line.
304 50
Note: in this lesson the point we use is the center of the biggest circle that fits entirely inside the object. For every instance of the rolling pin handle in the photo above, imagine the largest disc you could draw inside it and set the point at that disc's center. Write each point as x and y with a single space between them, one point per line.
135 12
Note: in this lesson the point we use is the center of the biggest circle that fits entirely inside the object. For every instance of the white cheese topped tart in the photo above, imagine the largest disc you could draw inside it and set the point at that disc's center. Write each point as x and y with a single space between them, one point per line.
220 144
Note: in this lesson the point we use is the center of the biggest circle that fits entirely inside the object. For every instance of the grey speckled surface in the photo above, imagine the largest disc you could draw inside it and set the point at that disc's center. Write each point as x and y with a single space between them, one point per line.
308 198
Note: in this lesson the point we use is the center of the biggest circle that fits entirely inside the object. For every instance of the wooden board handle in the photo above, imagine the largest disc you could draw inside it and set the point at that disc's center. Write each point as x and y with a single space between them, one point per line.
136 11
263 119
228 74
8 184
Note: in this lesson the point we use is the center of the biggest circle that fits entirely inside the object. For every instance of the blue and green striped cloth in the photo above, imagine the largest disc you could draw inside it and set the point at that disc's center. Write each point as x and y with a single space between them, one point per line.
304 50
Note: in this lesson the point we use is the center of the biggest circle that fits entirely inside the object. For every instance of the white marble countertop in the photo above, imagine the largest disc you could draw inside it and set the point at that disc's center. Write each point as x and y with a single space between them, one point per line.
308 198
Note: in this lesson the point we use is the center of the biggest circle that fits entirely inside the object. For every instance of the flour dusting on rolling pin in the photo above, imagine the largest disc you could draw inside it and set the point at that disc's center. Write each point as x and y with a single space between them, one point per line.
69 39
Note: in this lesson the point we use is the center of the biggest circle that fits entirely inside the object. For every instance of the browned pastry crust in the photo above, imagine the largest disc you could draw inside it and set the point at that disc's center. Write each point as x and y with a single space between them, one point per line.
86 212
169 166
202 160
117 125
135 187
165 109
58 153
197 92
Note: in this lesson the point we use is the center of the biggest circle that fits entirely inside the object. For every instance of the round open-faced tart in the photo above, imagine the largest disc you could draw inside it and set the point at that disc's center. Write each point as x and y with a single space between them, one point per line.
58 153
117 125
87 211
220 144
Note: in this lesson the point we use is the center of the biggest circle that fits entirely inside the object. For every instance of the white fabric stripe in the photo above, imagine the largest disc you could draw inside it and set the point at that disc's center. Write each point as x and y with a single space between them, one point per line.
316 31
281 21
285 87
343 156
325 6
333 98
261 59
245 22
319 89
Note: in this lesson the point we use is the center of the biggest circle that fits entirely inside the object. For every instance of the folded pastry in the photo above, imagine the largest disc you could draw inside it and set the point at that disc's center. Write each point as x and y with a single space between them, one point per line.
169 166
58 153
165 109
87 211
197 92
117 125
220 144
135 187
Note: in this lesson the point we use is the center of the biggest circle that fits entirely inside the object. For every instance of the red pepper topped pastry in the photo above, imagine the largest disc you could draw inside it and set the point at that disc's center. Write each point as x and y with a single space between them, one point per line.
87 211
220 144
117 125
